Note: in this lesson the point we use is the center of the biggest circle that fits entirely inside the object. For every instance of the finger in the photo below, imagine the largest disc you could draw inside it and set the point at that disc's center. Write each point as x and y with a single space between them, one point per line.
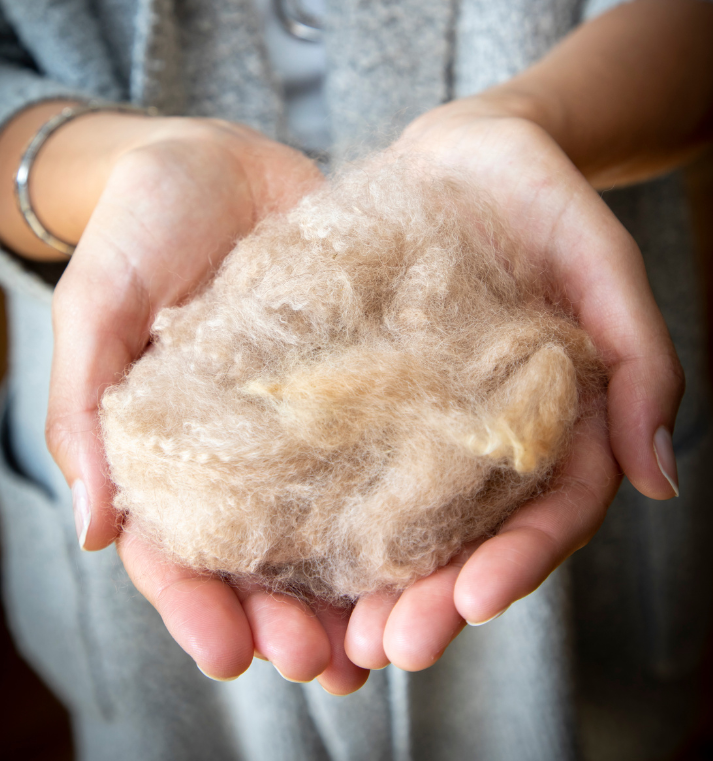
606 282
89 355
364 641
645 390
200 612
287 633
341 677
424 621
543 533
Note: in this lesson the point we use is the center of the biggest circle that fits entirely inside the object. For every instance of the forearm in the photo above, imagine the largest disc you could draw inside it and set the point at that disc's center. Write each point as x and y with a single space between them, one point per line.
627 95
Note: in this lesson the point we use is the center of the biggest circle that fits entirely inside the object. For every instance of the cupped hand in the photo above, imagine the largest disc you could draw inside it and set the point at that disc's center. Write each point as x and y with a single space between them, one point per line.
174 204
590 261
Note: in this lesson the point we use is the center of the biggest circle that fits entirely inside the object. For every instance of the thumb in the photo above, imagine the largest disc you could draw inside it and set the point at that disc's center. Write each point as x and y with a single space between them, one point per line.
645 391
100 320
607 281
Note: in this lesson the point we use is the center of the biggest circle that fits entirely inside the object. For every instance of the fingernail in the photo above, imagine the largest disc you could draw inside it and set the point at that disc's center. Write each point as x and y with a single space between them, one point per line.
488 620
217 678
82 511
663 449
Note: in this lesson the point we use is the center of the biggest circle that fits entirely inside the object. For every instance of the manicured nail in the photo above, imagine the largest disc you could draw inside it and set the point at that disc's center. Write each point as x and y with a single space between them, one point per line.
663 449
217 678
82 511
487 621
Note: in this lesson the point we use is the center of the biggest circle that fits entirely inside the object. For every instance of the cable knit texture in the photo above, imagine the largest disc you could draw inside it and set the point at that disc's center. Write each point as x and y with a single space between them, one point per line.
368 384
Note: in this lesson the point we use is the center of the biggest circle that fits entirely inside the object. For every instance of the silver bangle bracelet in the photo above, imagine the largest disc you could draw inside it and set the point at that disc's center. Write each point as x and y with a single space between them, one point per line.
22 178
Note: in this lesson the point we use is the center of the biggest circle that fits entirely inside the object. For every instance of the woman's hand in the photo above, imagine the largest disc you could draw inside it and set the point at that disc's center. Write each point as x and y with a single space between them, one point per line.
175 194
592 263
622 98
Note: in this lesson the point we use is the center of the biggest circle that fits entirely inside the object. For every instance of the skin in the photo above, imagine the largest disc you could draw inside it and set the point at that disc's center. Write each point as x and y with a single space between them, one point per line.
157 203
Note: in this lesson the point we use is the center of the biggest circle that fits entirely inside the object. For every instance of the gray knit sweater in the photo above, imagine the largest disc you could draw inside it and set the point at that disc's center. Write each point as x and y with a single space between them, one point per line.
520 689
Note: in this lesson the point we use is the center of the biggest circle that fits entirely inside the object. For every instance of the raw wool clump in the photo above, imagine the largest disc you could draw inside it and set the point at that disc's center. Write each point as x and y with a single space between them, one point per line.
369 383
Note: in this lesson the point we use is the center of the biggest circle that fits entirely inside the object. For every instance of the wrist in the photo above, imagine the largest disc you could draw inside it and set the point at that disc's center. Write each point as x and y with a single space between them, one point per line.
68 174
73 166
515 103
521 98
510 101
14 138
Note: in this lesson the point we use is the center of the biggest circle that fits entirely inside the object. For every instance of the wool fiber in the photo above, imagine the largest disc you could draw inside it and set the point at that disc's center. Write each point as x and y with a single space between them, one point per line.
370 382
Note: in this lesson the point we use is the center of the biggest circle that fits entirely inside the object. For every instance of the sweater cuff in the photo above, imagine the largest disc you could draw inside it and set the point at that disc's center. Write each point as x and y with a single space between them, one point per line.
21 88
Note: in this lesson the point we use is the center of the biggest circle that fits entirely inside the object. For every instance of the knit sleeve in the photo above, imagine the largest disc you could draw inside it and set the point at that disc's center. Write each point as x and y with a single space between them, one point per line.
21 84
20 88
592 8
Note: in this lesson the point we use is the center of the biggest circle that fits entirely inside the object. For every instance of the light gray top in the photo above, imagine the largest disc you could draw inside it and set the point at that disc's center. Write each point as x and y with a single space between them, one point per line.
634 598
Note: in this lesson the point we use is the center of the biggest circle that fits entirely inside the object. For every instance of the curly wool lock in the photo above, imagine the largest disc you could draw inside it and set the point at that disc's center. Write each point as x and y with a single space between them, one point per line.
369 383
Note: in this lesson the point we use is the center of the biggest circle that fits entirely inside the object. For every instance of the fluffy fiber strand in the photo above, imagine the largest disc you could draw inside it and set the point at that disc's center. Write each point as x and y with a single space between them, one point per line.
369 383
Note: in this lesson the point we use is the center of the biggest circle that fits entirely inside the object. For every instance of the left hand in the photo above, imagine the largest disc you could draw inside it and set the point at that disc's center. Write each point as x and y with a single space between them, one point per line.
548 206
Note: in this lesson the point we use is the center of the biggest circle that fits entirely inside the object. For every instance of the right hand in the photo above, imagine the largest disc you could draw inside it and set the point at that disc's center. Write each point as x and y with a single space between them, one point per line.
175 201
591 264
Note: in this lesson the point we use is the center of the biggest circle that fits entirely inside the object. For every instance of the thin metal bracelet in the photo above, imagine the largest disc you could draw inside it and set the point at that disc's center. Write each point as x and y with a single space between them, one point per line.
22 178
